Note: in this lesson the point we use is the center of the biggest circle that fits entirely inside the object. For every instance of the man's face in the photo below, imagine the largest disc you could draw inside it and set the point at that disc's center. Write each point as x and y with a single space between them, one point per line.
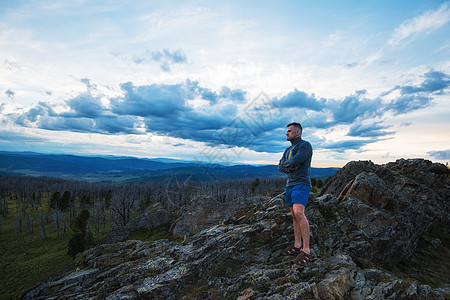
292 133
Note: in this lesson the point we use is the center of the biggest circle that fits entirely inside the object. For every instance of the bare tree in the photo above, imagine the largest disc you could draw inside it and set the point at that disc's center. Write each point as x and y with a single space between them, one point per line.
57 220
18 223
4 205
122 204
30 223
43 230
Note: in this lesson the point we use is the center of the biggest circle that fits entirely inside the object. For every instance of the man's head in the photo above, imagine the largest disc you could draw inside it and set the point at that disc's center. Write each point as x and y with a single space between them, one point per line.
294 130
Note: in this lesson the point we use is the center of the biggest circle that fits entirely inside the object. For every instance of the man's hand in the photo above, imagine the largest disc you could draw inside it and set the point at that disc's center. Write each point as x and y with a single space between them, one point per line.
294 168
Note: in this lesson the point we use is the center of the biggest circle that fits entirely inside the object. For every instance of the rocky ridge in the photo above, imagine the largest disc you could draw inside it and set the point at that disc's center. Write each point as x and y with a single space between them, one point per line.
367 220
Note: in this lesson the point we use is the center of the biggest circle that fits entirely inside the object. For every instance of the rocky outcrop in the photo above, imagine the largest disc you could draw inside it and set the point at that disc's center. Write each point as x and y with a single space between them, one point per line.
391 206
153 217
206 212
397 178
374 218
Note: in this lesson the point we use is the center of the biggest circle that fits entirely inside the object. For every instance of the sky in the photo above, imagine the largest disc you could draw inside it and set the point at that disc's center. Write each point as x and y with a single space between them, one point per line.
218 81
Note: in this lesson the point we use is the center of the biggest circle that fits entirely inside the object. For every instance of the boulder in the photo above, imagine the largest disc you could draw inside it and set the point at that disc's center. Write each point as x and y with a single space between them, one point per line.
345 175
369 188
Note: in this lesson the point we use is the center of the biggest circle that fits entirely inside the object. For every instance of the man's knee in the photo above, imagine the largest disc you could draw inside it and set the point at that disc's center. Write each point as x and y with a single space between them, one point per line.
298 211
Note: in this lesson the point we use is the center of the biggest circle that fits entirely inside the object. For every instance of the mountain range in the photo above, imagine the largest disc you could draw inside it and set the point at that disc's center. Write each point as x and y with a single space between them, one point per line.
118 169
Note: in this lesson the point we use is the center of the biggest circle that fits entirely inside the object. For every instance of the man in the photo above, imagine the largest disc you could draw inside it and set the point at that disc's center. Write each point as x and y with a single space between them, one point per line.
296 163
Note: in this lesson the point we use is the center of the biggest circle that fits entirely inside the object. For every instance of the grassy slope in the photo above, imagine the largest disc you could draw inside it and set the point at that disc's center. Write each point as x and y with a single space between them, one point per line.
26 259
430 264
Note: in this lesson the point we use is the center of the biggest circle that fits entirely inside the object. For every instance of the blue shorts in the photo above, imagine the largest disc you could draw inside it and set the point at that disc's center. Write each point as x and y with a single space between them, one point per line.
297 194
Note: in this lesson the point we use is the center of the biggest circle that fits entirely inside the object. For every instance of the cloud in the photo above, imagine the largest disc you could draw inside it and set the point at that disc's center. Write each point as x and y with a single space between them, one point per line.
33 115
43 109
369 130
342 146
414 97
69 124
300 99
10 65
407 104
176 56
326 113
165 58
354 107
435 82
119 125
157 108
316 120
90 86
194 90
10 93
430 20
85 106
156 100
235 95
441 155
225 117
14 137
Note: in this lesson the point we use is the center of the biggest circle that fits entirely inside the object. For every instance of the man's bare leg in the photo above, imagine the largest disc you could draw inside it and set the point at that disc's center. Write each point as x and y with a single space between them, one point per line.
298 213
297 230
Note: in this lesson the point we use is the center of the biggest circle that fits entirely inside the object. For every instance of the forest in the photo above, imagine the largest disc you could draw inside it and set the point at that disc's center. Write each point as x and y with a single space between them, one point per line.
46 221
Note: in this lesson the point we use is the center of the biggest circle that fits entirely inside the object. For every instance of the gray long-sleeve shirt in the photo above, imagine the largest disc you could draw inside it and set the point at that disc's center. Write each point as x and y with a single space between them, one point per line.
301 156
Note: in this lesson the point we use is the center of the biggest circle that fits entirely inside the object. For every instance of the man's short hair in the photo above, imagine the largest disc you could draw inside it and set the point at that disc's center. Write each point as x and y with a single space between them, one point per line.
296 126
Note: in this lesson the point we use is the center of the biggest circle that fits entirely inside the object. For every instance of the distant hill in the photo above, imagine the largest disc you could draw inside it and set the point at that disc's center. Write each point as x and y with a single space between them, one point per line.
117 169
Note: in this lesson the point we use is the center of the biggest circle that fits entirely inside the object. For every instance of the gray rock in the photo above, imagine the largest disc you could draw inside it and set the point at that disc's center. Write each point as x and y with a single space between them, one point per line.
155 217
367 215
